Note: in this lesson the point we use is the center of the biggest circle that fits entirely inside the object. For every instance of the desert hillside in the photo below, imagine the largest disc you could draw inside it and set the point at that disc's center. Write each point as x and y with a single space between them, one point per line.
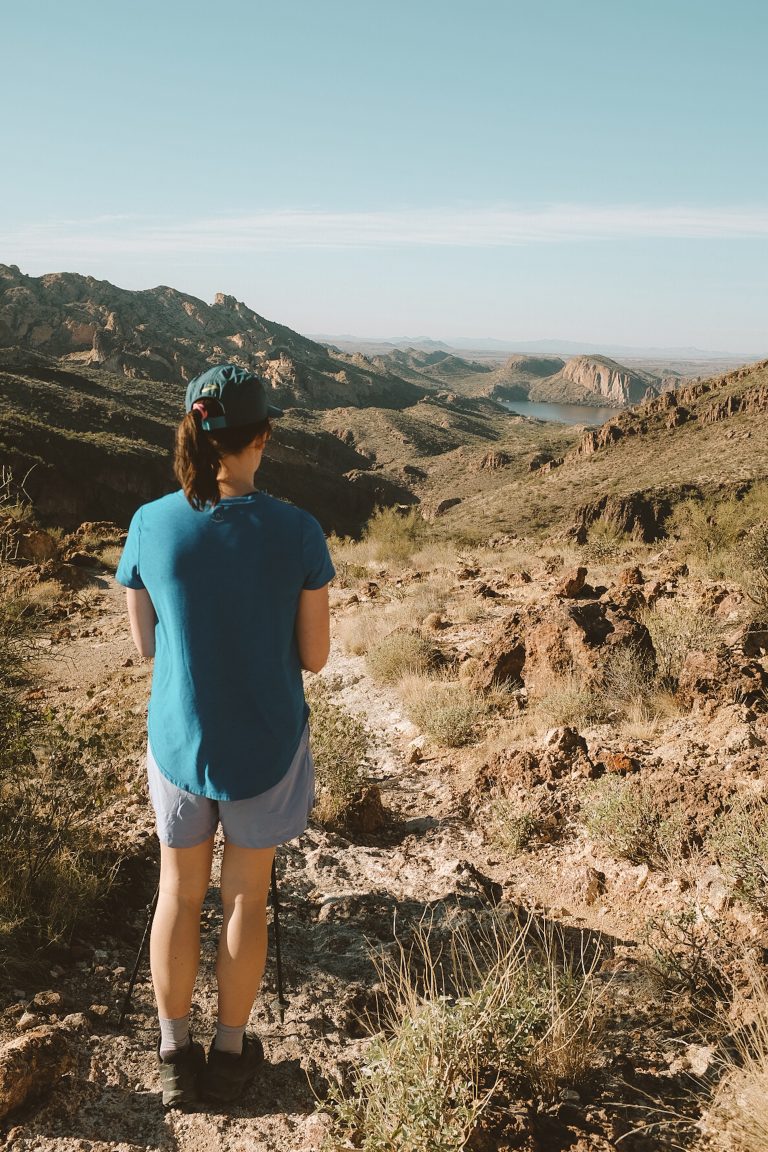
531 910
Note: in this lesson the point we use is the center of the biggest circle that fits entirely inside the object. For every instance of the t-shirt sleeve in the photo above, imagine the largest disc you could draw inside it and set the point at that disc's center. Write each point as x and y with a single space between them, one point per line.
129 568
318 566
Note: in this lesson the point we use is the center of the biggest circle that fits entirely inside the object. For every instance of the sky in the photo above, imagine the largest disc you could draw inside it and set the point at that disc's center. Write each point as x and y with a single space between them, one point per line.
584 170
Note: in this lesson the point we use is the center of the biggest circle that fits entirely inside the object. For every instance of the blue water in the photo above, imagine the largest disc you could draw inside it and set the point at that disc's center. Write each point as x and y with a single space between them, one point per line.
561 413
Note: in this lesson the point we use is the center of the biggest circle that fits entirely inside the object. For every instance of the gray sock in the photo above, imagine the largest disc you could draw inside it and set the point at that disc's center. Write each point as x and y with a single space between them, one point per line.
228 1039
174 1035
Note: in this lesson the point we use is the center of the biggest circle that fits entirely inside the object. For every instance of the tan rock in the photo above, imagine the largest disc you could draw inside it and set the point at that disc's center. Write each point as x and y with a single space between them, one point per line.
572 583
31 1064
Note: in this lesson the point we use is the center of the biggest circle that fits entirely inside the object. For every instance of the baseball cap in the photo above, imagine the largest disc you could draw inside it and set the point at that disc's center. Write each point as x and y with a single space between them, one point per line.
239 392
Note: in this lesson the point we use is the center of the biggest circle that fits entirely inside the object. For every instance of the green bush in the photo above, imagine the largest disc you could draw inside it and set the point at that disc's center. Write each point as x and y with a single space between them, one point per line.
341 744
739 842
677 628
449 711
625 817
395 535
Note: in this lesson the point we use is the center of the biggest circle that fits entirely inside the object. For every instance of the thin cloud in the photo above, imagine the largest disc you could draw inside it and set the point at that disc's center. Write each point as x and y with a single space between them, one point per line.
466 227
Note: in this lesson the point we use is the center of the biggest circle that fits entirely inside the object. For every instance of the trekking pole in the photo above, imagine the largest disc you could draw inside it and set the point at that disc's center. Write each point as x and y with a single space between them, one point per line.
150 917
282 1003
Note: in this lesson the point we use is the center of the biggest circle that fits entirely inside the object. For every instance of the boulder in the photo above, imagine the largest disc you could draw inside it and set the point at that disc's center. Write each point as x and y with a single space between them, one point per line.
504 658
564 638
571 583
32 1063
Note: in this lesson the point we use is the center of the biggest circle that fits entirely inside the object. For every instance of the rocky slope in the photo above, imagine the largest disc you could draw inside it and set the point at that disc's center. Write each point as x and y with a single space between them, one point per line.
87 444
707 437
438 853
165 335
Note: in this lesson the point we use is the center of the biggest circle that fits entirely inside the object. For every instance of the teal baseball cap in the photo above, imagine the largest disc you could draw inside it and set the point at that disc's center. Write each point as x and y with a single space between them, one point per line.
239 394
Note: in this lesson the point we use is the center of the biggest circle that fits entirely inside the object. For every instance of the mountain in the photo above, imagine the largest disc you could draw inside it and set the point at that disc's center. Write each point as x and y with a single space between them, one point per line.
88 444
164 335
595 380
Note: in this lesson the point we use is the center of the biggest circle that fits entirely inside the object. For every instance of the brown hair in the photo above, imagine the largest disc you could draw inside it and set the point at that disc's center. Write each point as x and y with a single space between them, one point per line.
198 455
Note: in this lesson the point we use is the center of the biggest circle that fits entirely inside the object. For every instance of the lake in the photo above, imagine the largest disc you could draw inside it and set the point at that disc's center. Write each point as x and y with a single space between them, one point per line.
561 413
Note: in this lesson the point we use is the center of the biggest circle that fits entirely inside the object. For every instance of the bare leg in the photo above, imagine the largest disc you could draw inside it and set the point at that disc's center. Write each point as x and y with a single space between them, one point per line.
245 876
174 948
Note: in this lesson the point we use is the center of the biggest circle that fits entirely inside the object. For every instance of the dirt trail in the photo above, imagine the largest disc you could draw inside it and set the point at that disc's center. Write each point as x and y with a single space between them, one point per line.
340 900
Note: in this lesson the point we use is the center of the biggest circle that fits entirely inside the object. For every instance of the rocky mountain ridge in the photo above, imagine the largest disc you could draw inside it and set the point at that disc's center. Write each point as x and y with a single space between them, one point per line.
169 336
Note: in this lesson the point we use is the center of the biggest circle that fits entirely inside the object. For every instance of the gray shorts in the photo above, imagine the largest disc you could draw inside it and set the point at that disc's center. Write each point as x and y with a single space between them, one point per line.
185 819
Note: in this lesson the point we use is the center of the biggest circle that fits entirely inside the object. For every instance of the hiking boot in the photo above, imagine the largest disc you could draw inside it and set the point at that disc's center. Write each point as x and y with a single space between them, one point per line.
227 1076
179 1075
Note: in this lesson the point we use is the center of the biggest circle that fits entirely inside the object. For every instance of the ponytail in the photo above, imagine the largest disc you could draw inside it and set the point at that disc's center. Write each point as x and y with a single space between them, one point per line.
198 455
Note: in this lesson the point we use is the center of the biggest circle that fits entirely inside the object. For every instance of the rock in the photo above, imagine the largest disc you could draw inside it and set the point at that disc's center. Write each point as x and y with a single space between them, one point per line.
563 639
444 505
504 659
76 1022
630 577
620 764
564 742
592 884
47 1001
366 812
31 1064
28 1020
572 583
719 677
37 545
433 622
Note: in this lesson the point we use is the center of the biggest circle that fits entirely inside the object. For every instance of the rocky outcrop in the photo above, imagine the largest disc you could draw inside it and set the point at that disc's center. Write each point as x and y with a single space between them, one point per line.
168 336
596 380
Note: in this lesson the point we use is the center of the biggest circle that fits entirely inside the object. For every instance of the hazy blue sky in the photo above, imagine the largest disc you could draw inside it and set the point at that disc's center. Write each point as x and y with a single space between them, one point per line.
592 170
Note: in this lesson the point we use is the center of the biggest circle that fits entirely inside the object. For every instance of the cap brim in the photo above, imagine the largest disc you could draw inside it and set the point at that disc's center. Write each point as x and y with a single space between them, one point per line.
273 411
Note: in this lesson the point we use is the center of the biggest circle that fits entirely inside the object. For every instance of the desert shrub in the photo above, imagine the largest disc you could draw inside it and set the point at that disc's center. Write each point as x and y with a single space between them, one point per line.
56 859
605 540
754 559
394 535
677 628
570 701
467 1023
341 744
712 528
399 654
628 680
513 826
625 817
448 711
739 842
686 952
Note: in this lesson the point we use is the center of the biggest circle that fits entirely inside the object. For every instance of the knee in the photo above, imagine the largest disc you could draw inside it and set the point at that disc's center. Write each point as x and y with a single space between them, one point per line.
183 894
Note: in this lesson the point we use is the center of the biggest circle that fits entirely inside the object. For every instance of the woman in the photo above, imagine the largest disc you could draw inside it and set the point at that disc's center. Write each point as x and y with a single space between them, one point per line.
227 588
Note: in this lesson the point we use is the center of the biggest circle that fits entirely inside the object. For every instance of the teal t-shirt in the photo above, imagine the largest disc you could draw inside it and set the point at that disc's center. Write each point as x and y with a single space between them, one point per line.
227 707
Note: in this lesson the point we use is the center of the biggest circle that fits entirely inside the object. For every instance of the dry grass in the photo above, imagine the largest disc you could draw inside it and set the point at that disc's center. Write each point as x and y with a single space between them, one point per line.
398 655
739 842
468 1021
677 628
450 712
363 630
737 1120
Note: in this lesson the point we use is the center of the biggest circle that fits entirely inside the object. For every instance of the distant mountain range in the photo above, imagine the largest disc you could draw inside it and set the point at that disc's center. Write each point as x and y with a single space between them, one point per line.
553 347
